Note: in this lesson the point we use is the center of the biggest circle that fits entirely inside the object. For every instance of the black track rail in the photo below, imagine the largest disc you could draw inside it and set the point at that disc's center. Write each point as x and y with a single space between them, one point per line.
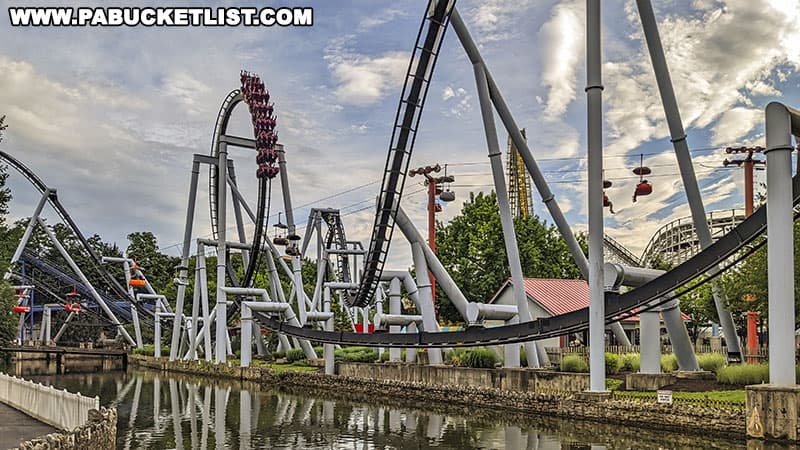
616 305
67 219
409 111
223 117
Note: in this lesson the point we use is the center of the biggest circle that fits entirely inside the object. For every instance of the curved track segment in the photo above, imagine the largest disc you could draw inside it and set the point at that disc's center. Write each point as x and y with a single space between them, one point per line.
615 304
67 219
415 90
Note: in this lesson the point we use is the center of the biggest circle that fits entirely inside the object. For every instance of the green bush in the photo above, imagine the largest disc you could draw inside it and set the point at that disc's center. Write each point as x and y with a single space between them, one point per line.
523 357
356 354
279 355
146 350
318 350
669 363
456 357
384 356
613 363
295 354
630 362
574 363
711 362
480 358
743 374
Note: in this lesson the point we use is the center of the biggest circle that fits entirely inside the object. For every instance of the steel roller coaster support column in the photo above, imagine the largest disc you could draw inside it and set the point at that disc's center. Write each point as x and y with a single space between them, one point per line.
507 223
28 230
678 137
425 290
327 349
183 273
594 101
221 355
522 145
394 308
781 122
86 282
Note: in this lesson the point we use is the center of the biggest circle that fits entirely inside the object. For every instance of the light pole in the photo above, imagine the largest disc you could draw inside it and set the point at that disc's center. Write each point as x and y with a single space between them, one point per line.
434 189
748 163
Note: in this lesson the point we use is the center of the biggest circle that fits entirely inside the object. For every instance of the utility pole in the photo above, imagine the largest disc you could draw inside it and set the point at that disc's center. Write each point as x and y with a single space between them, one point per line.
748 163
434 185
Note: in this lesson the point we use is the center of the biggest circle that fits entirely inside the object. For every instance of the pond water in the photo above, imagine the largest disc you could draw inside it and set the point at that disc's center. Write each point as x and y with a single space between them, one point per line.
159 411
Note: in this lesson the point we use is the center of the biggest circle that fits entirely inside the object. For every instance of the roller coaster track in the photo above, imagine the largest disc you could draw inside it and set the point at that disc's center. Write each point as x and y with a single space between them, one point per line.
336 235
657 291
404 133
53 270
223 117
67 219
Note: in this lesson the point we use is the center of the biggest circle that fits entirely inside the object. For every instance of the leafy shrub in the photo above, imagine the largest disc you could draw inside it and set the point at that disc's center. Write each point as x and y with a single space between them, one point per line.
279 355
356 354
574 363
480 358
743 374
318 350
711 362
523 357
384 356
669 363
147 350
295 354
630 362
613 363
456 357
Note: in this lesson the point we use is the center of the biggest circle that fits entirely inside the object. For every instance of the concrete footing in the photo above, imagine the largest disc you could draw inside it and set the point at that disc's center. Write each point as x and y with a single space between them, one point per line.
694 375
593 396
772 412
648 381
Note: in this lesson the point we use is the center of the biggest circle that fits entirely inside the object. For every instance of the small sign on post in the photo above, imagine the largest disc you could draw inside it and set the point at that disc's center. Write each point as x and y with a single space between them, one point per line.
665 397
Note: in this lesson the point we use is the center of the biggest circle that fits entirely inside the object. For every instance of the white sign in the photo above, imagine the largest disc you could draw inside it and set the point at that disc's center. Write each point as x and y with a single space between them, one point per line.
665 397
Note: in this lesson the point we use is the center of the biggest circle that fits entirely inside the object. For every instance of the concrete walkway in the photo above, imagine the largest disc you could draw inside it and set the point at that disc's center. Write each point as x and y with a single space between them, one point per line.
16 427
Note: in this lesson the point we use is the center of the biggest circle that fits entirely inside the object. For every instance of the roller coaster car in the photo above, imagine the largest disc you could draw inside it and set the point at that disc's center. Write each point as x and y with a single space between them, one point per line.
447 196
280 240
293 237
292 250
22 309
135 282
73 307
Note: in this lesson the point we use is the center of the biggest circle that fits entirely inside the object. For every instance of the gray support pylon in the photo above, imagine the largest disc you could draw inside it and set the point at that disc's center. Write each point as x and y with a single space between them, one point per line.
619 333
780 123
157 331
137 328
411 353
201 263
63 327
594 100
522 145
678 138
86 282
246 318
261 347
195 313
237 213
506 221
48 313
221 354
327 349
394 308
28 230
183 273
443 279
679 336
424 290
650 342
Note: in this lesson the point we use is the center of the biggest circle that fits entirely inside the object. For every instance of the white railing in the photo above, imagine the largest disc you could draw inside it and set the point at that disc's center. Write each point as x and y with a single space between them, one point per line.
61 409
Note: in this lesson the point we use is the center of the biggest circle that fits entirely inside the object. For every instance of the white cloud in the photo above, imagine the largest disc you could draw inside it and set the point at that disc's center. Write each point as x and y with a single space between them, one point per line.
382 18
562 40
494 19
363 80
734 125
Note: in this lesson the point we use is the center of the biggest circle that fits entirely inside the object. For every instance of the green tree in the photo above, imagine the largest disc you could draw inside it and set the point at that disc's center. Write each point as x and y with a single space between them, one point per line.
471 248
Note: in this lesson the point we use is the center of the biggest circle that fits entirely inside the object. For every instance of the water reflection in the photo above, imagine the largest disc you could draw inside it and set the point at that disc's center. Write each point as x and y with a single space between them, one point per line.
157 411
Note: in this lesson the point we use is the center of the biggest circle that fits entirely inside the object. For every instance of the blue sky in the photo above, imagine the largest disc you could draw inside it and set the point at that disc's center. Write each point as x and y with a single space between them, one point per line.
111 117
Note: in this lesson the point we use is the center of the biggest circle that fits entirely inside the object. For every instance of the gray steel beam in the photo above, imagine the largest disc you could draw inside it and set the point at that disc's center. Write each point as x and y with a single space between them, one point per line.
522 146
594 100
183 274
781 122
221 354
678 138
